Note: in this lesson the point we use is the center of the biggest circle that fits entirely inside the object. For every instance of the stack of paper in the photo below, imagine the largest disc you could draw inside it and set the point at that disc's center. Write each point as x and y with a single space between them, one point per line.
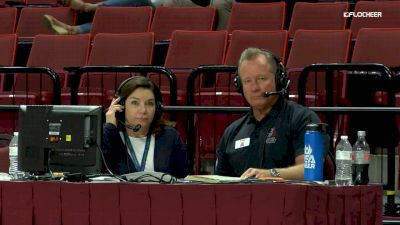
213 179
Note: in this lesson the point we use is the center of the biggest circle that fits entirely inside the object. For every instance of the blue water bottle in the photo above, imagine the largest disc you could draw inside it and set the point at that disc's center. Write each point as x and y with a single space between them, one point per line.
314 151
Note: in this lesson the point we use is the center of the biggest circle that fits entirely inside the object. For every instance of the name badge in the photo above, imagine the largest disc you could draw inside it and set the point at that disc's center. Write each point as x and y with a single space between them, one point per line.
242 143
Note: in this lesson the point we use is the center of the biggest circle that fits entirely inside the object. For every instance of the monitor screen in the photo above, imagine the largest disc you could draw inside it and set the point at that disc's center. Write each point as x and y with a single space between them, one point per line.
60 138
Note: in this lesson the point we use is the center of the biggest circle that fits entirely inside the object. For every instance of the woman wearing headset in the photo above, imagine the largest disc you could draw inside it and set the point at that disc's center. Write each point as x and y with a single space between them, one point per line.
135 137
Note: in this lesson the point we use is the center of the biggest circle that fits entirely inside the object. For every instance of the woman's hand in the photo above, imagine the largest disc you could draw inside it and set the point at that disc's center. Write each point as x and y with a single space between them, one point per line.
112 110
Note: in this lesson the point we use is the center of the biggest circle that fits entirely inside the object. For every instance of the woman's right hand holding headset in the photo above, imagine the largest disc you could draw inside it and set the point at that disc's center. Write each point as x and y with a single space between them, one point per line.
113 110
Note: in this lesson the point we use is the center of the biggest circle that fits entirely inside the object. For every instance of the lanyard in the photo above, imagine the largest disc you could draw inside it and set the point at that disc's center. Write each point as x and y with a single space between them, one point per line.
128 143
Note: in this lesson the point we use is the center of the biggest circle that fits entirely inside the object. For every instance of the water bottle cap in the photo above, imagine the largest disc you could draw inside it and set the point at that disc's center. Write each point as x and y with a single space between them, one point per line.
361 133
320 127
15 133
344 137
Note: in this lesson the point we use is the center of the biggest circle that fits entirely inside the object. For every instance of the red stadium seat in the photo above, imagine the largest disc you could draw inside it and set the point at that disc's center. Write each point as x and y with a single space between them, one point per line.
113 50
122 49
121 20
377 45
59 51
8 43
257 16
55 52
30 22
209 127
8 18
329 46
9 120
42 2
274 41
390 18
190 49
168 19
318 16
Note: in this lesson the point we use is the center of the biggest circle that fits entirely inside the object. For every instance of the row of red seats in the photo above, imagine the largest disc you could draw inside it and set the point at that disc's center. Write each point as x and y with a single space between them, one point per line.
40 3
190 49
112 20
244 16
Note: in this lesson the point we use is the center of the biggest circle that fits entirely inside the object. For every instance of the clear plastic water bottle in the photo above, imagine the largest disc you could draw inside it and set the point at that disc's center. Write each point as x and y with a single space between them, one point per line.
361 159
13 155
344 162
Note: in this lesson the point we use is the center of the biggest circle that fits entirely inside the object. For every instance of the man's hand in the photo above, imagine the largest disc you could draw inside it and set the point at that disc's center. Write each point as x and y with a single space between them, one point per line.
295 172
256 173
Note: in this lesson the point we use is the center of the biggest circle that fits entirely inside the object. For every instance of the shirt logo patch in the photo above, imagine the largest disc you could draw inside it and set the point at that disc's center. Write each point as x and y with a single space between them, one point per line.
271 137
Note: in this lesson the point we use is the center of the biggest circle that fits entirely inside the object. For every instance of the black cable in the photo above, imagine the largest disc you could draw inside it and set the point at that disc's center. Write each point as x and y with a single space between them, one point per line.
149 177
106 166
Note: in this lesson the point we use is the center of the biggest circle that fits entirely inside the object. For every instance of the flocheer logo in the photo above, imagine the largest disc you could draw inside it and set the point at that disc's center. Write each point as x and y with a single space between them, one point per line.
309 161
363 14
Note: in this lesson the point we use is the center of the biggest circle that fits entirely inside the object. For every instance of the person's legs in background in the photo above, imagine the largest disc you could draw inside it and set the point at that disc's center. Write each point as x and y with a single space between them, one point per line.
175 3
58 27
223 8
80 5
90 7
129 3
224 11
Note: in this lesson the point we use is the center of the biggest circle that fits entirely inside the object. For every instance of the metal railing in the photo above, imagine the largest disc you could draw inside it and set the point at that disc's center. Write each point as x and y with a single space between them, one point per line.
142 70
33 71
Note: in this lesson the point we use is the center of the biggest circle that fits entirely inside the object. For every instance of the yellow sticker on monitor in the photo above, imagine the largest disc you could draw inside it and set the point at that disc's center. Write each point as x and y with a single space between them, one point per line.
68 137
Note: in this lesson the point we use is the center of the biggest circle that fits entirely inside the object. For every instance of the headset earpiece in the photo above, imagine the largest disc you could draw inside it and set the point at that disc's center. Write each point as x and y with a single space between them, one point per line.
159 109
281 78
238 83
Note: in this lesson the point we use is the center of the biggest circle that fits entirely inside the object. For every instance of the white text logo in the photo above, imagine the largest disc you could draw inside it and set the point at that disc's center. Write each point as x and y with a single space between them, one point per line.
309 161
362 14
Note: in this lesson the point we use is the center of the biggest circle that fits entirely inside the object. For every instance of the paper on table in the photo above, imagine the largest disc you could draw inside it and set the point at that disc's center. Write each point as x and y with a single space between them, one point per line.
213 179
5 177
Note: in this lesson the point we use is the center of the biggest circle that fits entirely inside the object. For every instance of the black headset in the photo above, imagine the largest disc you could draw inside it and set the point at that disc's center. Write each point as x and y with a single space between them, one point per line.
157 95
281 79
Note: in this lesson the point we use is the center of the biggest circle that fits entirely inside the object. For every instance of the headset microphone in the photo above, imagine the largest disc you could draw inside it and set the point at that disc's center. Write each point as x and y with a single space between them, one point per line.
283 91
134 128
267 93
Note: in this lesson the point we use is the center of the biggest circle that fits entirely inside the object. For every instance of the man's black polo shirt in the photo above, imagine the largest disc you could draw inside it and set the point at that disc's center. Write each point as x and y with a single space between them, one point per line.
273 142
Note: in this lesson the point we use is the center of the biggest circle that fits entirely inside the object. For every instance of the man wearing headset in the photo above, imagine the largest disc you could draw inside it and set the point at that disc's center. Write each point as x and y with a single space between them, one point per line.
269 140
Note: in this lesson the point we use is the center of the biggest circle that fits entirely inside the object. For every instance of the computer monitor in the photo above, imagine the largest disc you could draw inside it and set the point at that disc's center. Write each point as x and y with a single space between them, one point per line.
60 138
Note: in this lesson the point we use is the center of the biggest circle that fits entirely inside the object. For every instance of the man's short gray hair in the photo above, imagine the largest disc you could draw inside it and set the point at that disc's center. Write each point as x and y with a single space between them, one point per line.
252 53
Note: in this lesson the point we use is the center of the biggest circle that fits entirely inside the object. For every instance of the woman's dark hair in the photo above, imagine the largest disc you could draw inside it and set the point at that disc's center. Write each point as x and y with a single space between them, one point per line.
130 85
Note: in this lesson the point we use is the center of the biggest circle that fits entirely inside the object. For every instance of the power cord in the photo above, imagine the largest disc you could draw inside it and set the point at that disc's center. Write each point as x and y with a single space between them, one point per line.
106 166
165 178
